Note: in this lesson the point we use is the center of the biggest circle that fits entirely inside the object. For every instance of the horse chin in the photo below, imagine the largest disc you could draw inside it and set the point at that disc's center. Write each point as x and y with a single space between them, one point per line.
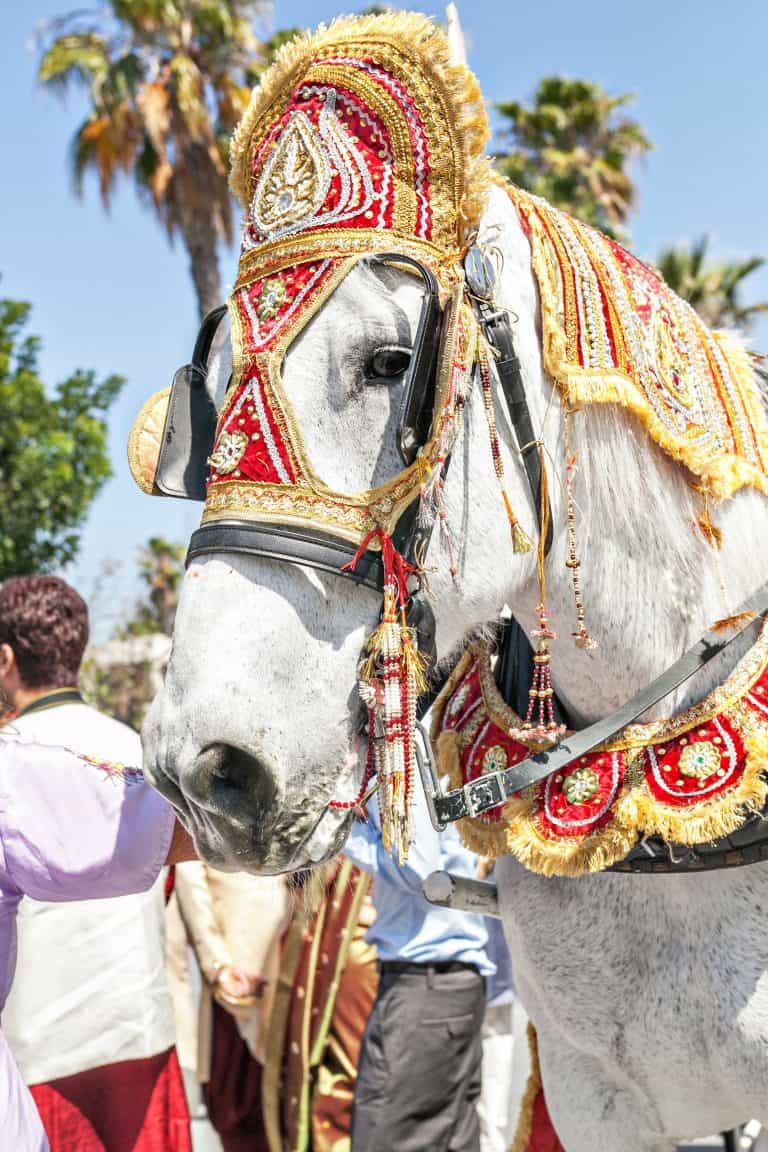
231 843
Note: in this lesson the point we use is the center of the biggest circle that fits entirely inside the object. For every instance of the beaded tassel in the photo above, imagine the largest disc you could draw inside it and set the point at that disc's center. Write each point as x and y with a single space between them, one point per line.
359 800
521 541
391 681
540 723
540 720
581 636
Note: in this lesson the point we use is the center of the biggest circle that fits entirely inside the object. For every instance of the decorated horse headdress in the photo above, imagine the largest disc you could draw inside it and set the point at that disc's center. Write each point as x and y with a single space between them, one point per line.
365 141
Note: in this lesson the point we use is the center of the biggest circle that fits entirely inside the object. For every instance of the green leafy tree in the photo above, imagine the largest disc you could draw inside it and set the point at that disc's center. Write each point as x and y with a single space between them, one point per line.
573 146
161 567
713 288
53 451
167 81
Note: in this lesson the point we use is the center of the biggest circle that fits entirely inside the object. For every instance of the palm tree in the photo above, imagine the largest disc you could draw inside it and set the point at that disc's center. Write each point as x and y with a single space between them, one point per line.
713 289
572 147
167 80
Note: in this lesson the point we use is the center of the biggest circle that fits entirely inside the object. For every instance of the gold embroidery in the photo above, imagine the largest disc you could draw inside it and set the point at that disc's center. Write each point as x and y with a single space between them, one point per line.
294 181
671 367
698 761
230 450
693 390
636 810
272 298
581 786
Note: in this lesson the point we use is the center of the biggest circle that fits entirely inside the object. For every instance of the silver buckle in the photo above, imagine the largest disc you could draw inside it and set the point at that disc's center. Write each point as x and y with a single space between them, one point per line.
484 793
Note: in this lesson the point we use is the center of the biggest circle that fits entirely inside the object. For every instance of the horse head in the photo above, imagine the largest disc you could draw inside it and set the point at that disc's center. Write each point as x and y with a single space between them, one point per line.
341 388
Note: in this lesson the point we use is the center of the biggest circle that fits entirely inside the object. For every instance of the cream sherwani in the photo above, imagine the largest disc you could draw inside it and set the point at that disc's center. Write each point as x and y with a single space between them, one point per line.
230 918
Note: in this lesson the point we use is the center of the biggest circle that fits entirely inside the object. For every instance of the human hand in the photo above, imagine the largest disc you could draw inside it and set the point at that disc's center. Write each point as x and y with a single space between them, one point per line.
237 983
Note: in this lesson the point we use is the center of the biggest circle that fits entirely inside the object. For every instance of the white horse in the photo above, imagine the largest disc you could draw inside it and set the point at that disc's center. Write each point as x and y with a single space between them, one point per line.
649 994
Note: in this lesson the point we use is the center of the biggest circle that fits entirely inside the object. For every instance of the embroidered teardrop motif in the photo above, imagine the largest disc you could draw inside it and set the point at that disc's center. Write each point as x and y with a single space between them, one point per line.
294 182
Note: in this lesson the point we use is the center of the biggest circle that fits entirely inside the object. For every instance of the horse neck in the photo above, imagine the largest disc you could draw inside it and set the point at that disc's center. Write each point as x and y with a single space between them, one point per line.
651 583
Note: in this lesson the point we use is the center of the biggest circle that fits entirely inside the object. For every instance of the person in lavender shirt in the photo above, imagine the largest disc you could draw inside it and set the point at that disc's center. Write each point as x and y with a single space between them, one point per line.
70 829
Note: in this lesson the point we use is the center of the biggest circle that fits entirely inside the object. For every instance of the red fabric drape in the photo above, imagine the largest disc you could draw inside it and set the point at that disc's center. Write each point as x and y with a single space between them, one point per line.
131 1106
233 1093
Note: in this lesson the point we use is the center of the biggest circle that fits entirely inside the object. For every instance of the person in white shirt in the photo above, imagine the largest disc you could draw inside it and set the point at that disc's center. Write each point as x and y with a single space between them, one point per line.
90 1017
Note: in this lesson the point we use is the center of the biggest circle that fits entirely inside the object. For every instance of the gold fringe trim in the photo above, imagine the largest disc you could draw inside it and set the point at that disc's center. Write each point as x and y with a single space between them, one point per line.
533 1087
419 39
636 811
710 819
722 475
480 836
567 855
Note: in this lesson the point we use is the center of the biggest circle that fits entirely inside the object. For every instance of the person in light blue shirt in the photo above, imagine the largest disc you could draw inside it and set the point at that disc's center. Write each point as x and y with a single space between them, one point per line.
420 1064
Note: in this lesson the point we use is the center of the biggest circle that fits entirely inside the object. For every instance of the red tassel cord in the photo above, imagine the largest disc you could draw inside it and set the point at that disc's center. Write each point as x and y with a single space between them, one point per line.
391 680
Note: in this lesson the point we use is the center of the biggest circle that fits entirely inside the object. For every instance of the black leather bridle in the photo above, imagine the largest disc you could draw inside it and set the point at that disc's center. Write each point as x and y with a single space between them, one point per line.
191 427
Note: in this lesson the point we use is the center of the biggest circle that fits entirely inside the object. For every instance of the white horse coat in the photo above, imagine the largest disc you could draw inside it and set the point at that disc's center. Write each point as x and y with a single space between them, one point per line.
649 994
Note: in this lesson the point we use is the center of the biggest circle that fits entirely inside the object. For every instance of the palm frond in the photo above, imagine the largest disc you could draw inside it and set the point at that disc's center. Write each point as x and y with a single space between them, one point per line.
80 57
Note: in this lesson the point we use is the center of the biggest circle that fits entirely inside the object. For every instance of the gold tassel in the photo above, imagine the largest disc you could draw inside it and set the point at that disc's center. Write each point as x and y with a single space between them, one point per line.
414 662
521 541
734 621
711 533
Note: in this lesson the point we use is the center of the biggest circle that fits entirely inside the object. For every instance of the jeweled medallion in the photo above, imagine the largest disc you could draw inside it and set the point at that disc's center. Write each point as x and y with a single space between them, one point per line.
230 450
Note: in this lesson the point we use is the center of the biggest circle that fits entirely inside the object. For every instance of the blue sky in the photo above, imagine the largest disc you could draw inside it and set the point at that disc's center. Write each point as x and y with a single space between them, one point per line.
110 294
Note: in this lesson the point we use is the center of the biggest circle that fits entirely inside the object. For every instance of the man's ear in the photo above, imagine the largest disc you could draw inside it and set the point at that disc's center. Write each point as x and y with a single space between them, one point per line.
7 662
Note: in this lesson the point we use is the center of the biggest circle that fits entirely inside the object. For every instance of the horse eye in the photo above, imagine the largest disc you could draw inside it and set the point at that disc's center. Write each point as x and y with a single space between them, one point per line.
389 362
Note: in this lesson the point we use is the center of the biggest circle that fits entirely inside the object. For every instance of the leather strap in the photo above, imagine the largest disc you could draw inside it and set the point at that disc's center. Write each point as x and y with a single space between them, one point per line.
489 791
314 549
498 331
747 845
292 545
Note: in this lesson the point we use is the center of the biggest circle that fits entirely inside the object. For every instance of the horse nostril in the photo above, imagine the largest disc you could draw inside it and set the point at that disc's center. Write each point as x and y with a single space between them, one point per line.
230 770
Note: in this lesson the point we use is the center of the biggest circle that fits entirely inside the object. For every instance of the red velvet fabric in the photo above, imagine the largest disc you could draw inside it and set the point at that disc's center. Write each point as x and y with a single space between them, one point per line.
543 1136
131 1106
233 1094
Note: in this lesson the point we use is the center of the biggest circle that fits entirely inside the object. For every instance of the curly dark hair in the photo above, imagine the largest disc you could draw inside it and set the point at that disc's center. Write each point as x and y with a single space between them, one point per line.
45 622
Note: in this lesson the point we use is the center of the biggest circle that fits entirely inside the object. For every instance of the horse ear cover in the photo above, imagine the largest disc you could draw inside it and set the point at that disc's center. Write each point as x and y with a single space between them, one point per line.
145 441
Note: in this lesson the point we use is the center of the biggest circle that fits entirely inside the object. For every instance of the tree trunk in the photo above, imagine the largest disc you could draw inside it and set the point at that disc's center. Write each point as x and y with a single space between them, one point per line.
201 241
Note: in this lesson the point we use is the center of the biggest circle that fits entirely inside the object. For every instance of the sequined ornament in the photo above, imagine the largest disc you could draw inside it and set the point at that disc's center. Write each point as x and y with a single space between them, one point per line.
580 786
688 779
495 759
229 451
271 299
699 760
